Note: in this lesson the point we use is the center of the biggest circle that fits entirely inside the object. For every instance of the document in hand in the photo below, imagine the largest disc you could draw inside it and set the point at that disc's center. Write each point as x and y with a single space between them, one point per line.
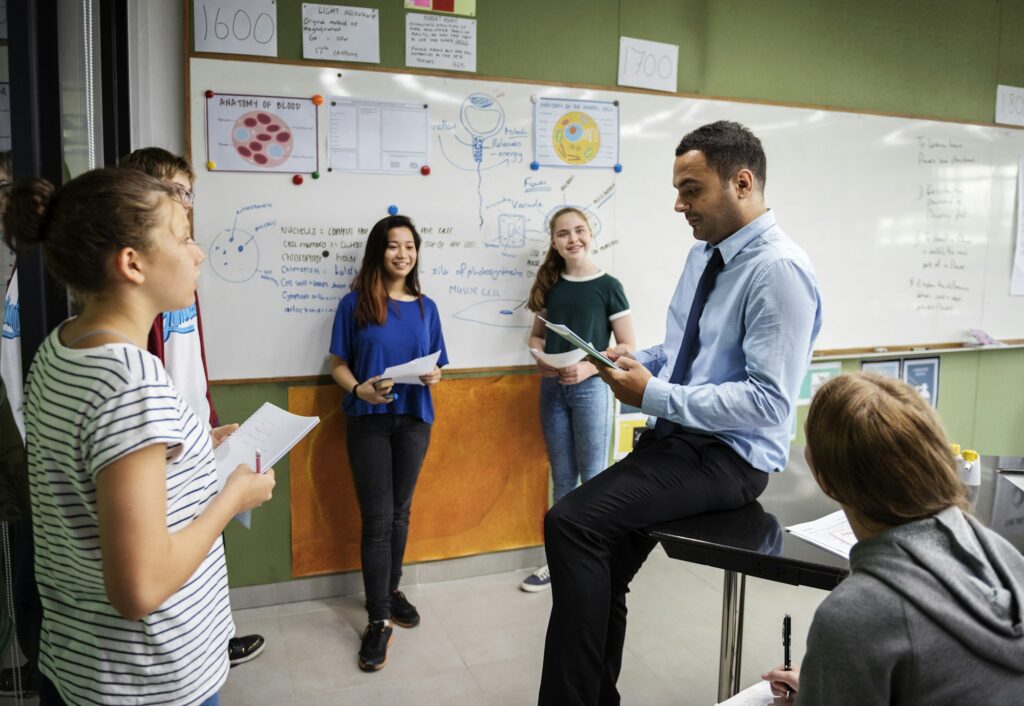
569 335
409 373
558 360
270 430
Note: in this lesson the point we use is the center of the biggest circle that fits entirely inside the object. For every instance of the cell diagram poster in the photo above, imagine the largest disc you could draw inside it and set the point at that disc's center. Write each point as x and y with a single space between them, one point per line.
576 133
261 133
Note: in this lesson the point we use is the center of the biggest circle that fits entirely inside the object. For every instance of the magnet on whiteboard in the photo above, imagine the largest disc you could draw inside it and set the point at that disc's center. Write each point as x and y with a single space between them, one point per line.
318 99
533 99
425 170
617 168
534 166
297 179
209 94
393 210
211 165
315 175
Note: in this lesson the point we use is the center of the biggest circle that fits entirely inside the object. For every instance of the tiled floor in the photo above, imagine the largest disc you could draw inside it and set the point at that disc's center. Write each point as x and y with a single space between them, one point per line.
481 643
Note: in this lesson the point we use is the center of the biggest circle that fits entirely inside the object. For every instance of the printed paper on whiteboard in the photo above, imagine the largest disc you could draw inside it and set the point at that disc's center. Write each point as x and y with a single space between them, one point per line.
261 133
576 133
647 64
377 136
235 26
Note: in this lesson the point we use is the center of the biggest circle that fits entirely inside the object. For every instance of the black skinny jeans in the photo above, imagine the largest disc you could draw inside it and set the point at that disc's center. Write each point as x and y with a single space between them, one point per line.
594 549
386 453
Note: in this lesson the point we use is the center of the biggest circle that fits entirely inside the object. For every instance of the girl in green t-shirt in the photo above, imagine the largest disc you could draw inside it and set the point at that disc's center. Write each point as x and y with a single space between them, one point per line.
575 405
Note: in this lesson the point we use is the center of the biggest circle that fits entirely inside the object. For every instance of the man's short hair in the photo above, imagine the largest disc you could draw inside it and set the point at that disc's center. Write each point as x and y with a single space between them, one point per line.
728 147
158 162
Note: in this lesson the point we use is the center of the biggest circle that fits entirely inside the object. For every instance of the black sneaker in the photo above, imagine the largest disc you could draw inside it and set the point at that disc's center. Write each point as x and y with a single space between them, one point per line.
373 652
242 649
403 612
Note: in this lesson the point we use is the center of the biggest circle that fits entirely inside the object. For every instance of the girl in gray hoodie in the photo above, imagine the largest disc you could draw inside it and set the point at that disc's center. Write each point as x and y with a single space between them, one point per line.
932 610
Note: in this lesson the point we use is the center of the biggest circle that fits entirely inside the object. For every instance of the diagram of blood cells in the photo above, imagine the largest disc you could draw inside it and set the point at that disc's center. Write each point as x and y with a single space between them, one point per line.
262 138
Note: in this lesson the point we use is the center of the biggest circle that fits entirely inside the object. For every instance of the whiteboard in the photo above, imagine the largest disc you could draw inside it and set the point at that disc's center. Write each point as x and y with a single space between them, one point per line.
908 222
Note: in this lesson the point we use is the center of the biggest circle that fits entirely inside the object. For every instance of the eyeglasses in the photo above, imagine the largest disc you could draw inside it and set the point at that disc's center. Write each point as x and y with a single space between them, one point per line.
187 198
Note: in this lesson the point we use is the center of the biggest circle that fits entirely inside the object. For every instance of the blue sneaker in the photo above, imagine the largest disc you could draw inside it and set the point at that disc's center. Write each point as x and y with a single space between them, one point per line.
537 581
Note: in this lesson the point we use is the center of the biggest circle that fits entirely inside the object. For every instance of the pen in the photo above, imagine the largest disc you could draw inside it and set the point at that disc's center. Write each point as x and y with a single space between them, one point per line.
786 658
259 468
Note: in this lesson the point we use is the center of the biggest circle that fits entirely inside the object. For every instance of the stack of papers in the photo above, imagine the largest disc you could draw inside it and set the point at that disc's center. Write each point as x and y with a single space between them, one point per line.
832 533
272 431
759 694
568 334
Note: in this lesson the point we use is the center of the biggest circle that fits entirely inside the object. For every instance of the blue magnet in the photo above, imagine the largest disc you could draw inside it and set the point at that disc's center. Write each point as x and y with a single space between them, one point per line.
617 168
393 210
534 166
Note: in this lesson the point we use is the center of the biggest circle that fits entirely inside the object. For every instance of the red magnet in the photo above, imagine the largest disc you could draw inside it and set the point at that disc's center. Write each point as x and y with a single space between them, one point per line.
425 170
209 94
297 179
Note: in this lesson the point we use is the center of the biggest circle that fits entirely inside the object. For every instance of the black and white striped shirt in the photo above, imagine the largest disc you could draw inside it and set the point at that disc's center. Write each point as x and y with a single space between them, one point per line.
86 408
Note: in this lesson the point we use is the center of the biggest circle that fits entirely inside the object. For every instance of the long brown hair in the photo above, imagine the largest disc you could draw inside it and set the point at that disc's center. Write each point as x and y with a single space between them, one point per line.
81 224
370 284
877 446
553 266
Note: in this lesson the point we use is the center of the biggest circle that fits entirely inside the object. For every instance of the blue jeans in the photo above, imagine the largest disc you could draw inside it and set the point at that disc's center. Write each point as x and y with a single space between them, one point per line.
577 422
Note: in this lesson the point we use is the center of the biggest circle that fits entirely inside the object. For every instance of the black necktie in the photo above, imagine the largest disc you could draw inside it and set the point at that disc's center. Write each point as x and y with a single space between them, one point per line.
691 334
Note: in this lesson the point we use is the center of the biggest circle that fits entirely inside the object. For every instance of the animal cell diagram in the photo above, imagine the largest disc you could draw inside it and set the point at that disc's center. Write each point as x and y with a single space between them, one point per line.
262 139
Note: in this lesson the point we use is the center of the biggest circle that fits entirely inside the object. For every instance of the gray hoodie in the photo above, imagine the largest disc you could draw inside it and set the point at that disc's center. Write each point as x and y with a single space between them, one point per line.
931 614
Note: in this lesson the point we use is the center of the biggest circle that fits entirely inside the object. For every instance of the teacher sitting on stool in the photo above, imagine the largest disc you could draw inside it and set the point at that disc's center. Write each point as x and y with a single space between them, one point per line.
740 331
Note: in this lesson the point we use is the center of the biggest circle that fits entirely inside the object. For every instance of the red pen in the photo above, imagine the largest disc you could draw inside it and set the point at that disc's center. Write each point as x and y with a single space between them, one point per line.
259 469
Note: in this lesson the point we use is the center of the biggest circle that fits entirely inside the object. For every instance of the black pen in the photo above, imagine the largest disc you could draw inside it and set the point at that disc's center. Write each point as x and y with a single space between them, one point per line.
786 657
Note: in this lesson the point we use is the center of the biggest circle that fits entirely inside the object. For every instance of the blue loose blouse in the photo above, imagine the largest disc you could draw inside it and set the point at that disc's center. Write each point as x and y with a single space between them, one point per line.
407 333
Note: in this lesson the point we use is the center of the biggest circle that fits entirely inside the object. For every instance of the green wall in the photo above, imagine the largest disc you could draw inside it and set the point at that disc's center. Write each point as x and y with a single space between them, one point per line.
938 58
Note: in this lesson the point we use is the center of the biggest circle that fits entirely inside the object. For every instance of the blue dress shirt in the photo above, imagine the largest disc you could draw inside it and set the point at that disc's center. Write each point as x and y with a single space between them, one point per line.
756 337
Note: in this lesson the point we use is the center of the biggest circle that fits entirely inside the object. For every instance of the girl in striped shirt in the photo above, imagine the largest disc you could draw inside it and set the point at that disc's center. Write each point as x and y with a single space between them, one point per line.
126 513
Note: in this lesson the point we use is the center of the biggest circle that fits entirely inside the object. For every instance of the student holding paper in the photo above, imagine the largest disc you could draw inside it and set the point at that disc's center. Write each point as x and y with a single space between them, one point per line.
575 405
386 321
933 611
126 516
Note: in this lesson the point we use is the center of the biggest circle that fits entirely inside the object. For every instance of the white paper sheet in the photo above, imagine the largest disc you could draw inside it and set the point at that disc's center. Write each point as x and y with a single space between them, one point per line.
270 429
559 360
760 694
409 373
832 533
340 33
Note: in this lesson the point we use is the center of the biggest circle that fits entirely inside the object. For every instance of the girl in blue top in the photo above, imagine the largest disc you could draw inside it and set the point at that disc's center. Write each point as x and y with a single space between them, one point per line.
386 321
575 405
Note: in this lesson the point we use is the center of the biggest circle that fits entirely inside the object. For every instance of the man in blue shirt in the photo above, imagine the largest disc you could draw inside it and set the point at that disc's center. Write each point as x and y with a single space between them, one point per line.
740 332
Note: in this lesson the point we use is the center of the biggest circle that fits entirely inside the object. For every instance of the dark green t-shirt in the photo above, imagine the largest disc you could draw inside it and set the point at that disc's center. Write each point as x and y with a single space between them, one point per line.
587 305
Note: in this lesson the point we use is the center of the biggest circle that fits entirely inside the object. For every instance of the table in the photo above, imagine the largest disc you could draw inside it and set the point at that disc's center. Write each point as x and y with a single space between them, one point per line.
752 541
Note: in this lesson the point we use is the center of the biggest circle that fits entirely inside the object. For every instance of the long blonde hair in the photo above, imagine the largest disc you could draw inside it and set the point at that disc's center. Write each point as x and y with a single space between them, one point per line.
553 265
877 446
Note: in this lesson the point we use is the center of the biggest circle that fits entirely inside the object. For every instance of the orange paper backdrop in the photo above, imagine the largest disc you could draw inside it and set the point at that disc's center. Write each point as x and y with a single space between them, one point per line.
483 487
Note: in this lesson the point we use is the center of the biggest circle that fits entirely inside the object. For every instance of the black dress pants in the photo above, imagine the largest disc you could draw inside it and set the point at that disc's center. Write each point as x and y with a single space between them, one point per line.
594 549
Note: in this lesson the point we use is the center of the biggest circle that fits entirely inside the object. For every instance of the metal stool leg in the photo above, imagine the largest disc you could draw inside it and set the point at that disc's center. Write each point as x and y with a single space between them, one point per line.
732 635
